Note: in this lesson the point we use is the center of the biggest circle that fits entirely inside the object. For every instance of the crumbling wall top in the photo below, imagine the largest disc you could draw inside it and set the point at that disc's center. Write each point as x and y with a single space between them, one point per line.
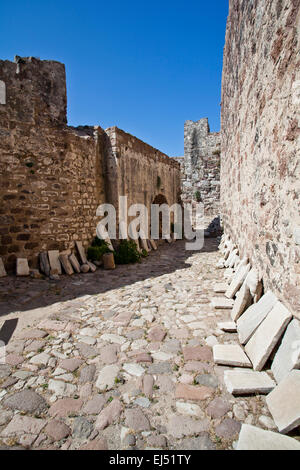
35 92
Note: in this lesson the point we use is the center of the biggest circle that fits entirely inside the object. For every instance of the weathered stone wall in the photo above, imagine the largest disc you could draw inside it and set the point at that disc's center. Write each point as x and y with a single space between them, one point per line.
260 162
53 177
201 166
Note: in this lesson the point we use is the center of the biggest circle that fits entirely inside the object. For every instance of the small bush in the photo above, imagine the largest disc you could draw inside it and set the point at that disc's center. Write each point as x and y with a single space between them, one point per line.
127 252
97 249
144 253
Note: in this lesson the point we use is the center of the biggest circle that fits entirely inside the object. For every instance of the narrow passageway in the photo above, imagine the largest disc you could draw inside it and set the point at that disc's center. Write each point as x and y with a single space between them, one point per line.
124 360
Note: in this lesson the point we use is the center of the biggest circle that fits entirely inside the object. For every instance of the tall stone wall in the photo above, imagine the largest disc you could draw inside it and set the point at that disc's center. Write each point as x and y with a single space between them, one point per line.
53 177
201 166
140 171
260 163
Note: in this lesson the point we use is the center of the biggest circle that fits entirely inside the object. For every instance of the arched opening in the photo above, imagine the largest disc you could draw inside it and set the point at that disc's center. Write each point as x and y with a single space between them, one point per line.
159 200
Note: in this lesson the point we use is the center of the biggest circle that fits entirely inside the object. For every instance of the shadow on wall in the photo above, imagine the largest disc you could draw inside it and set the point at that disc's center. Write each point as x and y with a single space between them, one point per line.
23 294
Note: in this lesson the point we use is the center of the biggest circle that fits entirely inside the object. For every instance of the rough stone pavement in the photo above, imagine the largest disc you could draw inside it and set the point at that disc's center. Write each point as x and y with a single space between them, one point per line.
123 360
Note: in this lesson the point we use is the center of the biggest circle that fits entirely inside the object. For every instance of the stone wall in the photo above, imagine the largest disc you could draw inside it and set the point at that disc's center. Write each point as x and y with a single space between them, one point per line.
53 177
201 166
140 171
260 163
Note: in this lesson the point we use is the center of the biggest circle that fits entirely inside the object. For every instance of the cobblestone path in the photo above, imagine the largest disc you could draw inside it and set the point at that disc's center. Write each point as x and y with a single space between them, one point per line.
121 360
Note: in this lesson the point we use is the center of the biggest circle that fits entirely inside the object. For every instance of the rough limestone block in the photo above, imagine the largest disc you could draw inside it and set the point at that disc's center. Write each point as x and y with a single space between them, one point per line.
44 263
247 382
108 261
252 438
220 288
287 357
237 281
85 268
219 302
54 262
93 268
221 264
2 92
233 260
228 262
144 244
267 335
254 316
22 267
2 269
81 252
74 262
153 244
229 326
230 355
64 259
284 402
254 283
137 245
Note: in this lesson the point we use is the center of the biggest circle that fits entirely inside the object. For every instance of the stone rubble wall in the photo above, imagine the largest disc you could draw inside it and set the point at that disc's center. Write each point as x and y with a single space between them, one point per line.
260 161
201 166
142 172
53 177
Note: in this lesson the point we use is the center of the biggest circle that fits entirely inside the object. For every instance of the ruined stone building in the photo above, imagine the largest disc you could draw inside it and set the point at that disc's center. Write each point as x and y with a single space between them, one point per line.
52 176
260 163
201 166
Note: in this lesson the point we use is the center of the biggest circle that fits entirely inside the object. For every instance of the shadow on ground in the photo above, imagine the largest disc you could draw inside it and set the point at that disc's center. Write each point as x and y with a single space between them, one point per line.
23 294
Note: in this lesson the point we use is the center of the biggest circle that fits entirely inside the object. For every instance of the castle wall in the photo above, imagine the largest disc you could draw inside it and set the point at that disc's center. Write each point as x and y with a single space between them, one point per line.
260 162
201 166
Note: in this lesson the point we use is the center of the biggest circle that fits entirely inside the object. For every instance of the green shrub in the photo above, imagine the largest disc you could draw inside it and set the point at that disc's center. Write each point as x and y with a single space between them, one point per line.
127 252
97 249
144 253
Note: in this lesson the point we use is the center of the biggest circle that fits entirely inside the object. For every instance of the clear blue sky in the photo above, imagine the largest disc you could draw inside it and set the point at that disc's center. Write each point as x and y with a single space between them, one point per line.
144 66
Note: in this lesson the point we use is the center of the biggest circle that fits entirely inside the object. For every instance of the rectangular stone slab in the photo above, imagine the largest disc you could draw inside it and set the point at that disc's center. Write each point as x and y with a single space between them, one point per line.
22 267
287 357
144 244
2 269
54 262
237 281
66 264
229 326
284 402
267 335
81 252
247 382
153 244
254 316
74 262
44 263
242 302
222 303
230 355
253 438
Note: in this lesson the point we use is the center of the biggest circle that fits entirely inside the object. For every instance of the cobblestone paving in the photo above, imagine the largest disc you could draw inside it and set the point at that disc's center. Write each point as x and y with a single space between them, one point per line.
124 361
